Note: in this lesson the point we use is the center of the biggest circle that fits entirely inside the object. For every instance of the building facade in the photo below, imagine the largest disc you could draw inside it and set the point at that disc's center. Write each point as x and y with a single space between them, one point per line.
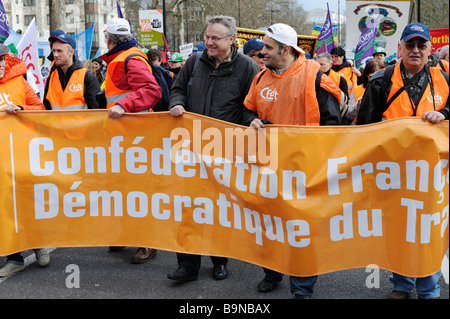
76 16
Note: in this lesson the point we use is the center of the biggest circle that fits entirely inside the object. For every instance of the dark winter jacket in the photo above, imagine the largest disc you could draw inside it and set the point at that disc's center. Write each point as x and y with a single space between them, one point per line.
218 93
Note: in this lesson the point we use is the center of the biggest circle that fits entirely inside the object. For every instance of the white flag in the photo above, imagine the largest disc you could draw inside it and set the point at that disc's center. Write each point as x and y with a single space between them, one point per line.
444 268
27 50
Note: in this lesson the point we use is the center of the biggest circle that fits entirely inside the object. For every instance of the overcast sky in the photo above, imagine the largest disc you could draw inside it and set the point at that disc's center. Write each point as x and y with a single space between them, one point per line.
322 4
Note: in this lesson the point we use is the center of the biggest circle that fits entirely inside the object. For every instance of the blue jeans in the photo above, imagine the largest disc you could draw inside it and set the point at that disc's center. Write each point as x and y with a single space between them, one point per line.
303 285
426 287
299 285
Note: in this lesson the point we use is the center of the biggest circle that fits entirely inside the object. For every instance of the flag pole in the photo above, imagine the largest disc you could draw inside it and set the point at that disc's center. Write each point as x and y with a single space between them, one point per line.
164 18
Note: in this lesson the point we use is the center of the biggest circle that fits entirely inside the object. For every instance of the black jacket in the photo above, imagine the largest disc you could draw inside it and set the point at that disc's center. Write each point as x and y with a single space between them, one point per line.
91 85
218 93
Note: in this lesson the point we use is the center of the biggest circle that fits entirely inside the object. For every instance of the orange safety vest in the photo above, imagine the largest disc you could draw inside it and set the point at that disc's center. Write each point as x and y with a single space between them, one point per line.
350 77
358 91
444 64
335 76
401 106
288 98
114 94
72 98
12 91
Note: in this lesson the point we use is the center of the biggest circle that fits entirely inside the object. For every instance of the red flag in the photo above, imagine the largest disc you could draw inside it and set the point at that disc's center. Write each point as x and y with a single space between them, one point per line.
164 56
322 48
166 46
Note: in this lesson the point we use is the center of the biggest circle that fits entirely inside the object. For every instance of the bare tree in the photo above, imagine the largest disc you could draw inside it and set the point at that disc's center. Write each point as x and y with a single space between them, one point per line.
185 19
434 14
55 14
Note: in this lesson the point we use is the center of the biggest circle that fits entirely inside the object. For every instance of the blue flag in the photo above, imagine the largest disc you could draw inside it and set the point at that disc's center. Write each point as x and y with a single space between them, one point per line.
84 43
325 41
4 27
366 41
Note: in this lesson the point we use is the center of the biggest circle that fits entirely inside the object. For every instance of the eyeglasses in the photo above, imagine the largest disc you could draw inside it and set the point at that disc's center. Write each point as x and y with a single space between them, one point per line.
411 46
214 38
259 55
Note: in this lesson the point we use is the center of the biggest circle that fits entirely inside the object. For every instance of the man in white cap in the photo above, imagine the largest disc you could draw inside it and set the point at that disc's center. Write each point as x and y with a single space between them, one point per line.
287 72
291 91
129 87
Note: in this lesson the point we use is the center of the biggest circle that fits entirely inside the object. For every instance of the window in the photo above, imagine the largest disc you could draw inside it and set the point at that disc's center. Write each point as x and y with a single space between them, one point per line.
91 17
70 18
28 19
29 3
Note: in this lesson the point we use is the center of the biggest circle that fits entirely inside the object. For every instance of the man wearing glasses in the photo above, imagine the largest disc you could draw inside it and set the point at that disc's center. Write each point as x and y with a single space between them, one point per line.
409 88
214 84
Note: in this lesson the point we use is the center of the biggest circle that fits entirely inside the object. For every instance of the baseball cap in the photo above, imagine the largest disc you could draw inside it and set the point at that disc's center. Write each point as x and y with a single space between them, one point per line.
199 48
253 44
284 34
118 26
415 29
63 37
56 33
2 54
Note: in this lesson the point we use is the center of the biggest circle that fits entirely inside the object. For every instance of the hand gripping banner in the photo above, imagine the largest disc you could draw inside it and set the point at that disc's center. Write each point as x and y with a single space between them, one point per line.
298 200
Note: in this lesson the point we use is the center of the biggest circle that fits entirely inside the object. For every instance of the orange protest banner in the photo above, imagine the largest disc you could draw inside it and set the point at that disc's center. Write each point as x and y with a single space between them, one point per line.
299 200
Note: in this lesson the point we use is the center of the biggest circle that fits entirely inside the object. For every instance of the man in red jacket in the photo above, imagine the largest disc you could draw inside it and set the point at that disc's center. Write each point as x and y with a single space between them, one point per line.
128 88
132 87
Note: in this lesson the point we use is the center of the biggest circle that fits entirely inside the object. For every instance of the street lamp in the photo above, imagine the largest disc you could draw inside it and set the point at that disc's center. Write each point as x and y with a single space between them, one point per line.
418 11
272 11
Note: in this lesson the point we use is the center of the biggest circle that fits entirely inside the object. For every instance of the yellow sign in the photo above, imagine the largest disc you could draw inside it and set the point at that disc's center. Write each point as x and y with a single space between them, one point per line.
306 43
299 200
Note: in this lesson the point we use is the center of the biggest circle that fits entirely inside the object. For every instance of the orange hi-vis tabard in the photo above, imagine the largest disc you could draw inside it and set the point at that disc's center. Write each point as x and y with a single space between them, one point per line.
402 105
72 97
14 85
114 94
288 98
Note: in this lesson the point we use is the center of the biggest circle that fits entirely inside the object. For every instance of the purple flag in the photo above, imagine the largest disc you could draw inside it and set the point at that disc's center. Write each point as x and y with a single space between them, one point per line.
325 38
4 26
366 42
119 11
120 14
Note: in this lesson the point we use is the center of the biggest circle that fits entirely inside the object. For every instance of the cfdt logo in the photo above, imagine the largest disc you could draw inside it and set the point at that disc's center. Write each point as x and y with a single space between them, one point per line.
269 95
